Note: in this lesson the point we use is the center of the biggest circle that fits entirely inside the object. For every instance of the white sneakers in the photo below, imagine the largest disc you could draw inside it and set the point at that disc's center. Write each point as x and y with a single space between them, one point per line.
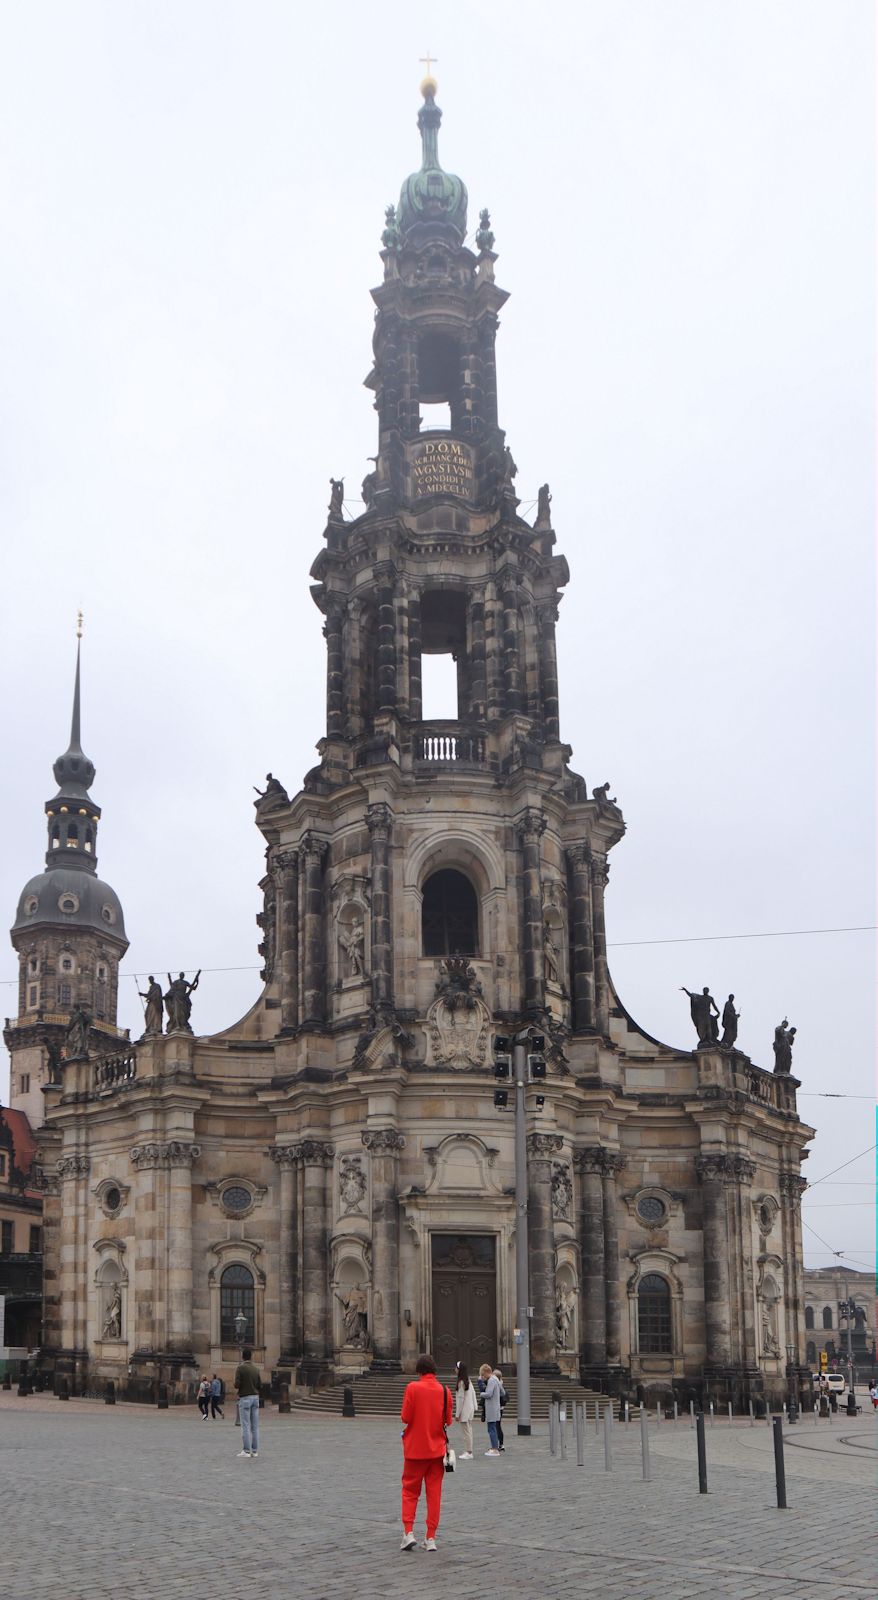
408 1542
430 1544
465 1455
492 1452
253 1454
244 1453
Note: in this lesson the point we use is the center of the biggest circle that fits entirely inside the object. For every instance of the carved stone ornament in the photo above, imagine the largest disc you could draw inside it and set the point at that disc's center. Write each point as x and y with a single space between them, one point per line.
562 1194
267 920
383 1141
458 1021
766 1209
793 1186
315 1152
544 1144
713 1168
589 1160
285 1155
382 1044
73 1167
173 1154
351 1185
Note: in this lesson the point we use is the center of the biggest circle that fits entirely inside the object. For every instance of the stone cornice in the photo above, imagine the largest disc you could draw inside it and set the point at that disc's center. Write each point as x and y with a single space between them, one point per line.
793 1186
314 1152
725 1167
73 1167
285 1155
175 1153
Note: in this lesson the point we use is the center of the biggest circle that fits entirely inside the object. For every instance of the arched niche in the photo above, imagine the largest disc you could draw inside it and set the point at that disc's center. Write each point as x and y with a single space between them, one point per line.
110 1298
567 1302
351 1290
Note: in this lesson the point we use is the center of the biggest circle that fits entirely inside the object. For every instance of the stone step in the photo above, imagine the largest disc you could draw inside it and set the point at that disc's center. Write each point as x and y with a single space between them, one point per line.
381 1395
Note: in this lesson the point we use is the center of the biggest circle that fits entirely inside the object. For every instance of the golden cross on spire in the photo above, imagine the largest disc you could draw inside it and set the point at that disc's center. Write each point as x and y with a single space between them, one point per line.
429 62
79 624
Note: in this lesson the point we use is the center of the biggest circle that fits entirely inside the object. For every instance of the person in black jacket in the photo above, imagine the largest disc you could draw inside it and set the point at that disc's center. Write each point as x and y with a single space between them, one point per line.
504 1401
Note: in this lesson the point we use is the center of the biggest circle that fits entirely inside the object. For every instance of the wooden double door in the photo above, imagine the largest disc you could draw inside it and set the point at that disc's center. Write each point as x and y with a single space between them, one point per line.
464 1300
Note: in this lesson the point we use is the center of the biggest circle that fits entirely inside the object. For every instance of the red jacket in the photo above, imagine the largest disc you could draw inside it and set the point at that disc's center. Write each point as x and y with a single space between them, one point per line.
426 1410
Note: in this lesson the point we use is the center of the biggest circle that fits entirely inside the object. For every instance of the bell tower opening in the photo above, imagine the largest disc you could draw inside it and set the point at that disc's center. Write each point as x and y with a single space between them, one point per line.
444 659
450 915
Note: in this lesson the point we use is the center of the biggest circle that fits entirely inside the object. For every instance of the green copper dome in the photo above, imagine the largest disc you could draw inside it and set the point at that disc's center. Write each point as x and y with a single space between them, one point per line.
431 199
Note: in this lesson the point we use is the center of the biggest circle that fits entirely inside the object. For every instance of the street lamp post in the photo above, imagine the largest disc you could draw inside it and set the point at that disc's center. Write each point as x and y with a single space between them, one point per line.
522 1348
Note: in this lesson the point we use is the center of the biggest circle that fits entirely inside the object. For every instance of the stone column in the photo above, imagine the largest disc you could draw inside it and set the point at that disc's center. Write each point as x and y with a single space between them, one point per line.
384 1146
547 616
286 1158
312 851
713 1171
352 683
332 632
530 829
511 664
493 674
316 1157
600 873
478 702
286 867
593 1312
144 1303
386 704
541 1147
581 945
52 1221
179 1156
73 1172
379 818
416 699
613 1162
792 1187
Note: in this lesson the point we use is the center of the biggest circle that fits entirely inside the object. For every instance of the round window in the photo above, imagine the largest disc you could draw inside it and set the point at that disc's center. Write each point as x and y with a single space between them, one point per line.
68 903
108 913
112 1198
650 1208
237 1198
31 904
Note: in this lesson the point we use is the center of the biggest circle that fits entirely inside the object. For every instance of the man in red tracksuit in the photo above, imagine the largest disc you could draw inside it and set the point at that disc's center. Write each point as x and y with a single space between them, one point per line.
426 1411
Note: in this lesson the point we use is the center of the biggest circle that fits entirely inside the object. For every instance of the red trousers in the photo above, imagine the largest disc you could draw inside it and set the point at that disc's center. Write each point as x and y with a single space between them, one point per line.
414 1473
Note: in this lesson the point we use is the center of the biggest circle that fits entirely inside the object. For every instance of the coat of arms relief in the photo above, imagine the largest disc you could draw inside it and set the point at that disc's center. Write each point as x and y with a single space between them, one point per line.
458 1021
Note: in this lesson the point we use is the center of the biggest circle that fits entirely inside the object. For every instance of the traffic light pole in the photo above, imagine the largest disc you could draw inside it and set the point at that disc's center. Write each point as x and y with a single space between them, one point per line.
522 1348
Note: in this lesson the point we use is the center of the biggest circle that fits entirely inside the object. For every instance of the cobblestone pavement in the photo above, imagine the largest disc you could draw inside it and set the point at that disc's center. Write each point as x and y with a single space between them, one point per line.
113 1503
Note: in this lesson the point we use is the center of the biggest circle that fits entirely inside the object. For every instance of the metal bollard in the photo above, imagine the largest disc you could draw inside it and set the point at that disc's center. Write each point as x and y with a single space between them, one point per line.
692 1413
658 1411
347 1401
162 1401
597 1416
784 1412
730 1413
110 1393
627 1414
608 1439
62 1389
711 1413
676 1412
579 1429
752 1417
779 1473
768 1414
551 1427
644 1444
702 1453
562 1434
816 1415
283 1399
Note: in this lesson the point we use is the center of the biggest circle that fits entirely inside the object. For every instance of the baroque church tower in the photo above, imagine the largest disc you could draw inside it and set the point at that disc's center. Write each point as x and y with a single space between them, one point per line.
330 1174
69 936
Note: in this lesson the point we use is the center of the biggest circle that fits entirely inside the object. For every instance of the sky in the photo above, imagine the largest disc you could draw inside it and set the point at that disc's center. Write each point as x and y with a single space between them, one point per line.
682 192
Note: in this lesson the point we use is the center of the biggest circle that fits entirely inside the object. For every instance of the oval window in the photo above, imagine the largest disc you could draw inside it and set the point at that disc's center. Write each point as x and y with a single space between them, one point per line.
236 1198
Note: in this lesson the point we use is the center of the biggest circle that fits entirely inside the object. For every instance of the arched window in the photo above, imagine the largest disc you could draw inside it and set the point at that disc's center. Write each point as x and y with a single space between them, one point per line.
811 1353
809 1316
450 915
72 836
236 1295
654 1315
827 1316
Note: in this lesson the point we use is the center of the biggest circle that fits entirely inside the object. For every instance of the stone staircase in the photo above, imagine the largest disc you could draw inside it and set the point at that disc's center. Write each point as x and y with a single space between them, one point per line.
380 1395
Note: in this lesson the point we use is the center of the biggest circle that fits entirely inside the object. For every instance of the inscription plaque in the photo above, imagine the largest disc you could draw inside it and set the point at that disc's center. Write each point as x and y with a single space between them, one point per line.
441 466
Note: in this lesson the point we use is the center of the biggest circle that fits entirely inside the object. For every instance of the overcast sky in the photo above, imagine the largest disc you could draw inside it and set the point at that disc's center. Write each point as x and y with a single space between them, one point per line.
191 202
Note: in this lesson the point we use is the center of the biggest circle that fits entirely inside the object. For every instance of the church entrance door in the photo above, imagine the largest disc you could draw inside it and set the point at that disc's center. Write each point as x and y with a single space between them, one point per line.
464 1300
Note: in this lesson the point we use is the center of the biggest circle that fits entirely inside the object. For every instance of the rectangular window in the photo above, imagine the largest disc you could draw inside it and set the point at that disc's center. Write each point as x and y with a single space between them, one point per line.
33 995
439 701
6 1238
2 1163
25 1083
36 1240
63 994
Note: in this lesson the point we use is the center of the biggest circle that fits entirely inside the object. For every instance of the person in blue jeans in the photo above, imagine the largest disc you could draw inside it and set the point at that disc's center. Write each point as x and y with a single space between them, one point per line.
247 1384
491 1397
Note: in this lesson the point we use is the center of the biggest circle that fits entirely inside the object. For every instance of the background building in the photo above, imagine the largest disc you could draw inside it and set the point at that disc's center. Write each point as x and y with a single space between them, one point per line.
827 1290
330 1174
21 1239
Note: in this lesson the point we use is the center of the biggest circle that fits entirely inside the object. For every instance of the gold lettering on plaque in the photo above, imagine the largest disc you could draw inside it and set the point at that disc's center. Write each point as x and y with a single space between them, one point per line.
442 466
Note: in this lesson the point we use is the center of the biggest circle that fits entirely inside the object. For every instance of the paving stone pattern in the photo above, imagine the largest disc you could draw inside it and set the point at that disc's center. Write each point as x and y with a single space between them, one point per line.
113 1503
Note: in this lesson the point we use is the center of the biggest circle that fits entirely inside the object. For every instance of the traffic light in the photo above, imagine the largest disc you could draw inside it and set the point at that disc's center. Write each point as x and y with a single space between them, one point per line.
540 1100
502 1067
824 1361
501 1099
502 1057
537 1063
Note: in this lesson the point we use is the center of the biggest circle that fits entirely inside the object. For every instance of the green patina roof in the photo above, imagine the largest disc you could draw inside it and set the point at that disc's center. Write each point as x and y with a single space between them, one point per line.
432 195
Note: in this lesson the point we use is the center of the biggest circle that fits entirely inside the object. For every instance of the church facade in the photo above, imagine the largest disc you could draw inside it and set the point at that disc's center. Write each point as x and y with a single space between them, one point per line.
330 1179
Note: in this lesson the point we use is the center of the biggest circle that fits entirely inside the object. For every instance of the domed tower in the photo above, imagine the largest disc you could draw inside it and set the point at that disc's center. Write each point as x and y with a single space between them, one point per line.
69 934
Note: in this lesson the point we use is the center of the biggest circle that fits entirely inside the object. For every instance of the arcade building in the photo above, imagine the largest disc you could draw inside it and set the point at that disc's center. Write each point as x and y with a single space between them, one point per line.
330 1173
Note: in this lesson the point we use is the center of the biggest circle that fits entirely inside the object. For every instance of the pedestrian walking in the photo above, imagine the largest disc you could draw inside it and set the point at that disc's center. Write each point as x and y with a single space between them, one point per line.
247 1384
216 1397
427 1412
504 1401
465 1409
492 1407
873 1394
204 1396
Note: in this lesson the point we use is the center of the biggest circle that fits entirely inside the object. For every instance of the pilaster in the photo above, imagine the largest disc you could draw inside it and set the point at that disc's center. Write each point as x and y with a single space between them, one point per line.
384 1146
541 1147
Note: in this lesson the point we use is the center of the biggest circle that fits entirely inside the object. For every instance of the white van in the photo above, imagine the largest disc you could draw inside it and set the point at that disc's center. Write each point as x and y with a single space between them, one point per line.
837 1382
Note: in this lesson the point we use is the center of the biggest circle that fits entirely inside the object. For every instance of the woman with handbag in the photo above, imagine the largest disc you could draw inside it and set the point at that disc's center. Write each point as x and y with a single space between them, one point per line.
427 1412
465 1409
